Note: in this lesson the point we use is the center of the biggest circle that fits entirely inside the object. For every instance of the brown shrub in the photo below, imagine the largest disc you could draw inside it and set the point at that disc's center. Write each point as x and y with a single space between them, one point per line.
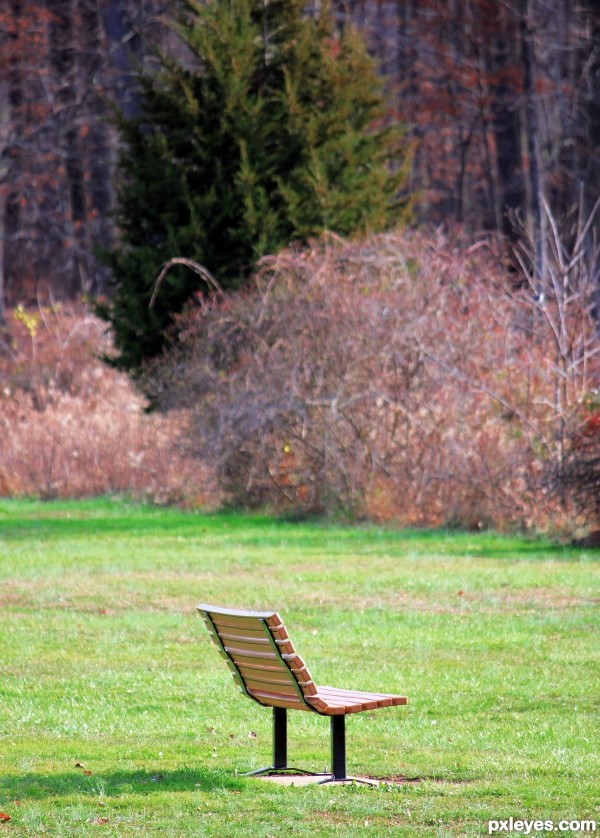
398 378
71 427
364 377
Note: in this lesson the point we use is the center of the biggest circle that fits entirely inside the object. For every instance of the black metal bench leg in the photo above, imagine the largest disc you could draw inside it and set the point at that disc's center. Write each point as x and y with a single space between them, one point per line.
338 755
279 737
338 747
279 747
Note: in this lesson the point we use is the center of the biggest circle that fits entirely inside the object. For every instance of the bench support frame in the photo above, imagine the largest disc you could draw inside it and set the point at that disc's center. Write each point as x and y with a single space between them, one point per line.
338 755
279 748
338 752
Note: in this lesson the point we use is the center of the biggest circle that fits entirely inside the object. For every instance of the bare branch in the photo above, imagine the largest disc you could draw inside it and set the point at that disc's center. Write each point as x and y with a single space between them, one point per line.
188 263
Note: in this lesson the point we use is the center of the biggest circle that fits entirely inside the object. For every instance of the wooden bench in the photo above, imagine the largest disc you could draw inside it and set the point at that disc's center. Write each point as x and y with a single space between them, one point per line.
268 670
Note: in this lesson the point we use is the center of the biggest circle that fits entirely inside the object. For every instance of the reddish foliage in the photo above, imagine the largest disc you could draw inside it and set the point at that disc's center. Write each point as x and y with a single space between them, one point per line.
395 378
72 427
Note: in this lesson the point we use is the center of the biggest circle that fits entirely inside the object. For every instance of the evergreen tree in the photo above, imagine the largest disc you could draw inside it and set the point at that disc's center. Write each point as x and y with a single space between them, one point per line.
272 130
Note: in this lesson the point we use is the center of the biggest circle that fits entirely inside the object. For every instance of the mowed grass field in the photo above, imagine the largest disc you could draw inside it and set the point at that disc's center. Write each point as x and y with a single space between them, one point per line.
118 717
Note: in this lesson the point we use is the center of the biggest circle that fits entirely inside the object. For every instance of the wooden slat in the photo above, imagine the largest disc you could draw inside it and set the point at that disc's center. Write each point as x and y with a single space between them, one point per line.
278 676
382 699
307 687
279 633
245 635
239 645
334 708
294 661
288 653
260 665
359 693
257 657
233 647
243 631
396 700
252 645
325 709
232 612
282 690
266 695
343 691
274 621
235 622
302 675
289 705
338 701
350 705
269 696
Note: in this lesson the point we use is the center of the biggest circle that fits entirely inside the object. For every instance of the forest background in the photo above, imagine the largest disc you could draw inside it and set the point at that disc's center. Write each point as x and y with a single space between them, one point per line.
492 424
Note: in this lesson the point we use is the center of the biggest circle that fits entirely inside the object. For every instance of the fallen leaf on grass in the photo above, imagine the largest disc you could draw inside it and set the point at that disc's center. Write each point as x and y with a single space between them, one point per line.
100 821
4 817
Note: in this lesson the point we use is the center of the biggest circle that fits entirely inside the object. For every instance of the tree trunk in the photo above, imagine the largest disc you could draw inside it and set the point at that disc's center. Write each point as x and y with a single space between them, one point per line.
531 126
2 261
591 150
509 160
4 136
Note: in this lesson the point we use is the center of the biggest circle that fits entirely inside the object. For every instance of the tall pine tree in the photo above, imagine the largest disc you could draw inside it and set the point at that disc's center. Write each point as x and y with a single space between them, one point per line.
272 130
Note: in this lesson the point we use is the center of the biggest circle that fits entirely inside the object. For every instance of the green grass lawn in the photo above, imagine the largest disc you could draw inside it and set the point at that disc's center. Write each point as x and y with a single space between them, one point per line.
118 717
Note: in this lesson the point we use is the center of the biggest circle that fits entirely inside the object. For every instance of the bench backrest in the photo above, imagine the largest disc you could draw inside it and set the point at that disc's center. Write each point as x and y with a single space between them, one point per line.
261 656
